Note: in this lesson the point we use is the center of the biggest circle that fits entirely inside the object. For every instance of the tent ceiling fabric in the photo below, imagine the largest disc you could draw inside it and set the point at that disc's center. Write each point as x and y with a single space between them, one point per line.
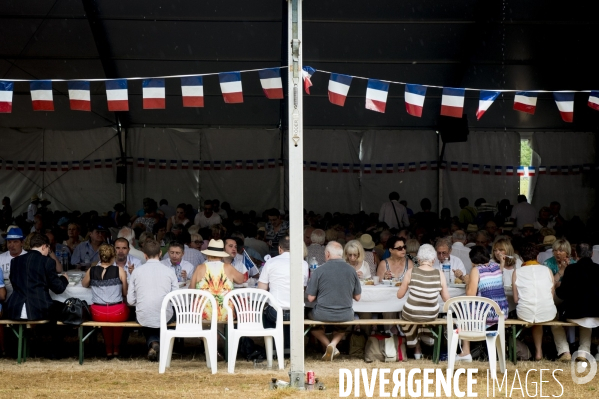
457 44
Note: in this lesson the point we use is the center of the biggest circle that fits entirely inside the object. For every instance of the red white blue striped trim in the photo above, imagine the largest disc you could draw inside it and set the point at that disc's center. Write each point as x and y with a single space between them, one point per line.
338 88
271 82
154 94
79 96
565 104
116 95
41 95
525 101
376 95
452 102
6 93
230 85
414 97
192 91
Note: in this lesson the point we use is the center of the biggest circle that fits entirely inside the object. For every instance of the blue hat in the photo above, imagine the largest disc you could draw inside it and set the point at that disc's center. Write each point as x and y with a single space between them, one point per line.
14 233
62 221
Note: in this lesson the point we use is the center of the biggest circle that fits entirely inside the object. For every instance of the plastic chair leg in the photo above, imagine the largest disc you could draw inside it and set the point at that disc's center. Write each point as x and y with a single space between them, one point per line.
451 351
491 339
268 344
500 343
162 355
211 352
280 346
169 350
233 343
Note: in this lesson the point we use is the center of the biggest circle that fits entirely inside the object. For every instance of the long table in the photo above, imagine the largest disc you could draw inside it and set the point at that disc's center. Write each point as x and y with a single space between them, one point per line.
383 298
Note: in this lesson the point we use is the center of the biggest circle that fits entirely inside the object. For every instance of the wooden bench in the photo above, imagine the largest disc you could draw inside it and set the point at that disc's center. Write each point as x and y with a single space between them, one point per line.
16 327
517 326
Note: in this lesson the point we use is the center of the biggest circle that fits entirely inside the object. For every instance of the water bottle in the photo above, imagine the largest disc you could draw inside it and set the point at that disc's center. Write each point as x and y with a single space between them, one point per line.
447 270
313 265
86 259
65 256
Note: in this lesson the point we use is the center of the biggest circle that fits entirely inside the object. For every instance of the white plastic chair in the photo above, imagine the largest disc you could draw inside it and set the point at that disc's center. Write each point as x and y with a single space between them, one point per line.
471 314
248 304
189 306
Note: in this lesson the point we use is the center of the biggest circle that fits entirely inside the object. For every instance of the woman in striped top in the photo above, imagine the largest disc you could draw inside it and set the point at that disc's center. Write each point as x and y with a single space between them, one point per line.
425 284
485 280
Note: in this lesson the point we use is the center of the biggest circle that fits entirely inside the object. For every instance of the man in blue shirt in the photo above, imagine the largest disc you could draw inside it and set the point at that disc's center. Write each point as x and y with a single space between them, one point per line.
89 249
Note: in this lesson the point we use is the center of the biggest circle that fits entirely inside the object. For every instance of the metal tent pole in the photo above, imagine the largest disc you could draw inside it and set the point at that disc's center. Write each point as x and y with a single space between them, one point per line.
296 190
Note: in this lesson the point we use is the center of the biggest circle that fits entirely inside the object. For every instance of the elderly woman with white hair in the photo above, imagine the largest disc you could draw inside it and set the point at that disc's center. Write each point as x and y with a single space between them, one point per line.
562 257
316 248
425 283
353 253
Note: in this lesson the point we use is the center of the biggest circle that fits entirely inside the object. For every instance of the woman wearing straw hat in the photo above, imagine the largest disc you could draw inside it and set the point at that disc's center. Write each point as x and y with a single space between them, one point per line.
369 255
216 277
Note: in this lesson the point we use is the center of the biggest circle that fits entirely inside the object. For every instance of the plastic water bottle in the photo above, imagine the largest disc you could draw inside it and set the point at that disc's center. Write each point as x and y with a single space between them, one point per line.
86 259
447 270
65 257
313 265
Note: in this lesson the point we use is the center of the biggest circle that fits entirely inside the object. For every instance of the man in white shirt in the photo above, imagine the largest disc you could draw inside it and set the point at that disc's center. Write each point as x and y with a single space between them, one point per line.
129 234
148 286
182 268
393 213
444 247
32 208
459 249
276 278
123 259
523 212
14 242
207 218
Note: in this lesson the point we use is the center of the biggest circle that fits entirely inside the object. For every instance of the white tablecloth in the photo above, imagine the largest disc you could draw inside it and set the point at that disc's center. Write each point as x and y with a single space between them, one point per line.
74 291
381 298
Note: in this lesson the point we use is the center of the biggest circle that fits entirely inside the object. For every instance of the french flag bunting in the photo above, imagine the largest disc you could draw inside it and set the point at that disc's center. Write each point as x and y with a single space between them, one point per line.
41 95
75 165
207 165
44 166
196 165
153 93
249 165
345 168
553 170
565 105
8 165
228 165
162 164
485 102
192 91
54 166
334 168
31 165
271 82
79 96
509 170
486 169
376 95
443 165
97 163
260 164
378 168
281 162
367 168
307 73
129 161
216 165
423 165
338 88
324 166
357 168
575 169
542 170
586 167
454 166
20 165
116 95
465 167
239 164
520 170
173 164
498 170
401 167
593 99
531 171
271 163
230 85
525 101
64 166
304 165
565 170
452 102
151 163
475 169
313 166
6 91
86 164
434 165
185 164
108 163
412 166
141 162
414 97
390 167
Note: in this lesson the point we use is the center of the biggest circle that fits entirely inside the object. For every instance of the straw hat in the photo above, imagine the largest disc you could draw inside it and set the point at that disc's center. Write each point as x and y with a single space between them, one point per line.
472 228
548 240
366 241
35 198
216 248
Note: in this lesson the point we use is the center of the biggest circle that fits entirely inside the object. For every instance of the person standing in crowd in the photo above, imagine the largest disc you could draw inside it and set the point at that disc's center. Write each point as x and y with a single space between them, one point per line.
393 213
334 286
32 208
108 284
207 218
6 211
166 209
316 248
467 213
523 212
275 229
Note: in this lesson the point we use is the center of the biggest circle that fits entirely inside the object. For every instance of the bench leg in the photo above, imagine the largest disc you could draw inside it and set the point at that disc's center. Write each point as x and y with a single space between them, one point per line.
437 349
514 347
20 344
80 335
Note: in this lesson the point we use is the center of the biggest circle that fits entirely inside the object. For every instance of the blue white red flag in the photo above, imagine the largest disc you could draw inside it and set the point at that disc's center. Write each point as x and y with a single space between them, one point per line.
154 93
452 102
498 170
565 104
357 168
6 92
378 168
520 170
162 164
116 95
423 165
376 95
434 165
475 169
41 95
412 166
44 166
75 165
8 165
593 100
192 91
307 73
565 170
151 163
260 164
334 168
230 85
338 88
465 167
31 165
454 166
542 170
207 165
239 164
401 167
324 167
79 96
247 262
553 170
184 164
228 165
20 165
531 171
486 169
97 163
174 164
345 168
140 162
509 170
313 166
271 163
271 82
108 163
414 97
249 164
86 164
216 165
196 165
367 168
390 168
525 101
485 101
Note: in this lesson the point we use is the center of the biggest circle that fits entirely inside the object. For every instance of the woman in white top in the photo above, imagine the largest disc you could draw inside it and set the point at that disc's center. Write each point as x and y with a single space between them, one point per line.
504 255
177 218
533 294
353 253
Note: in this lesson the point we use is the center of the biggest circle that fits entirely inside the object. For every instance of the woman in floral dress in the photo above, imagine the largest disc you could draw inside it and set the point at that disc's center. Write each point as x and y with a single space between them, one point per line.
216 277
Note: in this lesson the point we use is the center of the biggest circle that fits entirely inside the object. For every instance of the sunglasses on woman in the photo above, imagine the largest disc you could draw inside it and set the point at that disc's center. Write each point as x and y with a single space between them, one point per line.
400 248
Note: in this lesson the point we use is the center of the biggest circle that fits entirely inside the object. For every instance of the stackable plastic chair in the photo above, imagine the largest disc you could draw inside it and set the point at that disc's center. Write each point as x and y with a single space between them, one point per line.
189 306
248 304
469 315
